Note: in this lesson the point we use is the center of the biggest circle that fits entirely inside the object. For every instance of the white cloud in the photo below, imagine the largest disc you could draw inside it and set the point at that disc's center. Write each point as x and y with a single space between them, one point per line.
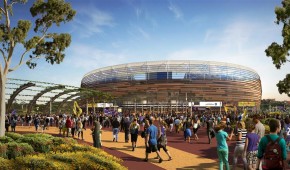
85 57
143 33
90 23
138 12
239 43
177 12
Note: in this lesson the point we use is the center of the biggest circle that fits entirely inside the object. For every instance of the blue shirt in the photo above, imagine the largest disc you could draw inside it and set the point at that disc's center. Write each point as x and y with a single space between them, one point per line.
221 137
152 131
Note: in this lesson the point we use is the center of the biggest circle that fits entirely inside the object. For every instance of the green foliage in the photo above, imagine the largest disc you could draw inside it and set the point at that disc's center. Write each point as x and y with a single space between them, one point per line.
14 136
44 44
20 32
38 162
5 139
280 52
6 164
60 153
3 150
284 85
18 149
39 144
51 12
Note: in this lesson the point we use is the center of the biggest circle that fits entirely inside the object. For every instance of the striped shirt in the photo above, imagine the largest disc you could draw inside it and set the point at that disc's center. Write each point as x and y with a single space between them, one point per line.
243 139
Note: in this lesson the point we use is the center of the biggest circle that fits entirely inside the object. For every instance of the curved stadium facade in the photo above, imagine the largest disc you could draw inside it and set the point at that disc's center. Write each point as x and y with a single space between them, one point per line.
176 81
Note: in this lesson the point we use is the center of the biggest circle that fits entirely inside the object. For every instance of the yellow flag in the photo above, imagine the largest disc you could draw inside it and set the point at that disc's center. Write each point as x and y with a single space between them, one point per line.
76 109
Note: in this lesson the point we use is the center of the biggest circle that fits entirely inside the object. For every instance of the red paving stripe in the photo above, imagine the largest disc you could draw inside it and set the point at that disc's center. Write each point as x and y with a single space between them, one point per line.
129 161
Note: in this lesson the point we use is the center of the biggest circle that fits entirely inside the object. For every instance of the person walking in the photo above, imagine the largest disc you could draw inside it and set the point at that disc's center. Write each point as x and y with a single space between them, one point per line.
68 125
7 123
151 141
259 127
127 128
286 133
96 134
115 125
222 146
196 125
240 145
13 123
79 127
209 129
36 123
162 139
134 130
251 147
177 124
187 131
280 152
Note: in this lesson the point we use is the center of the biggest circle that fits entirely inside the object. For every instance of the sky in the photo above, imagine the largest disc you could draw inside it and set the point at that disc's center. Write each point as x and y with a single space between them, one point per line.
111 32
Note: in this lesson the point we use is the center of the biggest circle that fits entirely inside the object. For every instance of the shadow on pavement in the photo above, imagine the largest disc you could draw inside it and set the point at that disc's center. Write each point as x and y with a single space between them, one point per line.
202 166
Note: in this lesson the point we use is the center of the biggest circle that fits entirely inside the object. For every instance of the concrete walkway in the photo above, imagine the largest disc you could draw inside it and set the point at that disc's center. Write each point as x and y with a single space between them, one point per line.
182 160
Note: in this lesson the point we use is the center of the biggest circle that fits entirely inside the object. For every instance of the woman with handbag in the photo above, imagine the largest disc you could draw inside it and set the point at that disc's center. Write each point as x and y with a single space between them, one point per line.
162 139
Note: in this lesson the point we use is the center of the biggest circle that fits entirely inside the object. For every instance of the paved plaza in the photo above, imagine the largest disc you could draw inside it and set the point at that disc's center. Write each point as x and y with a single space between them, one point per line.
196 155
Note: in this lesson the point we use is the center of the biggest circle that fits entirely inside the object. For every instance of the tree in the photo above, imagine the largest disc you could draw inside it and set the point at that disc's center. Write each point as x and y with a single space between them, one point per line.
44 45
280 52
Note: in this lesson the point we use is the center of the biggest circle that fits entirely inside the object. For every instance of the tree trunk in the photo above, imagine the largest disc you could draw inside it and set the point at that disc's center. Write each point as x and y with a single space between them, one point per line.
2 105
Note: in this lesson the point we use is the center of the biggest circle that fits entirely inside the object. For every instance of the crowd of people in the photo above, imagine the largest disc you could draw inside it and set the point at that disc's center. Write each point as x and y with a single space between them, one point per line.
249 133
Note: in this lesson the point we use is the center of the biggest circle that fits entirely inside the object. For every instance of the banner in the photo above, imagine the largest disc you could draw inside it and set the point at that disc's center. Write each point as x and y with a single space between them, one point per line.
210 104
101 105
247 104
230 107
92 105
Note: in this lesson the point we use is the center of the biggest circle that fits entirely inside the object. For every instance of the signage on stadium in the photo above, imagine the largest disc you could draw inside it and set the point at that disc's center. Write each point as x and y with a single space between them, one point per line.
210 104
190 103
101 105
251 104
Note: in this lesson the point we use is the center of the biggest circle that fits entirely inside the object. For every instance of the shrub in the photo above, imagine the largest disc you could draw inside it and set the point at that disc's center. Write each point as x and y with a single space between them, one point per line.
6 164
14 136
87 160
5 139
3 150
18 149
13 150
26 149
39 135
39 144
68 154
38 162
108 164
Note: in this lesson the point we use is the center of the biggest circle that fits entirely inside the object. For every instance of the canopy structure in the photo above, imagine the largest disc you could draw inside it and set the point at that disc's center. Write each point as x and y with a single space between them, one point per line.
36 93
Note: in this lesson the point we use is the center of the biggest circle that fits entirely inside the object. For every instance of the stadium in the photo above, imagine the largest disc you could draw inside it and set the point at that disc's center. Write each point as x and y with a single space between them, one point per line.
176 83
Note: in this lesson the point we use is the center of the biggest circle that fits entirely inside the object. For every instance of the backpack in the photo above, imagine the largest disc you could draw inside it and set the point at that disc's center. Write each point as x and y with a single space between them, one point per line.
273 154
134 130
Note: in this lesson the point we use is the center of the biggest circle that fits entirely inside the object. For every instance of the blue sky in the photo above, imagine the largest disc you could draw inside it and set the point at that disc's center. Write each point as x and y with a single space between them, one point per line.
110 32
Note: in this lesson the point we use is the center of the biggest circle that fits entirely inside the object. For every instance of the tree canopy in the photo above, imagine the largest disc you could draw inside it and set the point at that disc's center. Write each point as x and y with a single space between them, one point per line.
280 52
38 44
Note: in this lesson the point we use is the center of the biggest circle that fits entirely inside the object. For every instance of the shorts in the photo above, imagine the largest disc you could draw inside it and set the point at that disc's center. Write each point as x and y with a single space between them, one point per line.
252 157
188 132
134 137
194 130
115 131
151 148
